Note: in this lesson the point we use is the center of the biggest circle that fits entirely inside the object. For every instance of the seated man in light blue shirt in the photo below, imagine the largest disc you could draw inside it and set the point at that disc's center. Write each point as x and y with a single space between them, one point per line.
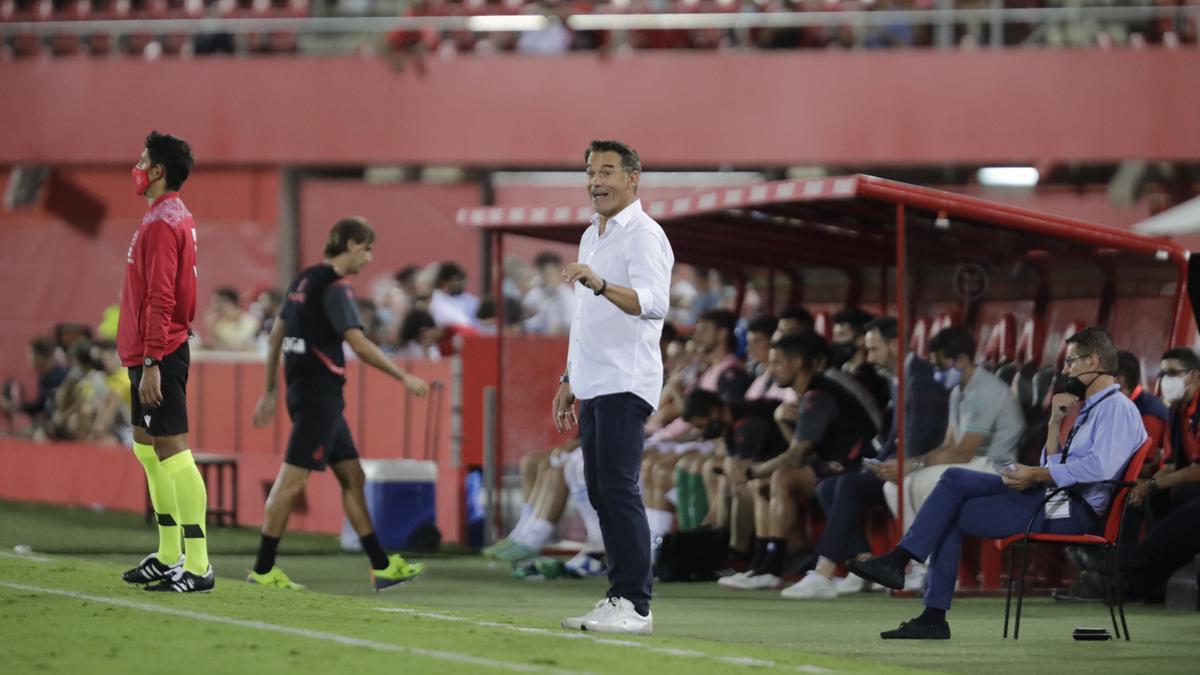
1106 434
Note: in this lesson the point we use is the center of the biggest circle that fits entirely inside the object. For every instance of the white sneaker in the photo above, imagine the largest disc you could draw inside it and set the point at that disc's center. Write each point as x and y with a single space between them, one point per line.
756 582
731 579
914 580
813 585
852 583
619 616
576 622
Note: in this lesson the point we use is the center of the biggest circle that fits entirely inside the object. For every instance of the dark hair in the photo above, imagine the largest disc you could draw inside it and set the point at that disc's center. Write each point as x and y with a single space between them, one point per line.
352 229
797 313
1129 368
886 325
1185 356
700 403
414 322
952 343
105 345
81 352
229 293
175 156
808 346
547 258
406 274
447 271
856 318
42 347
764 324
1096 340
722 318
630 161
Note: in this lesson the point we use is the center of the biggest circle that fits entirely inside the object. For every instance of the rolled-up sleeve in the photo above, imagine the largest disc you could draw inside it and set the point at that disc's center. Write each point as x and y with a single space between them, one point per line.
650 264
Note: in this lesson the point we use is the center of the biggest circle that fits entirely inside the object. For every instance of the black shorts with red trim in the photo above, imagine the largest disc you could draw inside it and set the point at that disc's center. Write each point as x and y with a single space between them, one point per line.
170 417
320 435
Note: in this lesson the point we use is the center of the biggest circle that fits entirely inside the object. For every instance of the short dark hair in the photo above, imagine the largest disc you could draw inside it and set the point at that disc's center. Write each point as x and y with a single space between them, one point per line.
630 161
886 325
1129 368
854 317
229 293
352 229
764 324
700 403
105 345
449 270
797 313
406 274
42 346
722 318
953 342
1096 340
808 346
175 156
81 352
414 322
547 258
1185 356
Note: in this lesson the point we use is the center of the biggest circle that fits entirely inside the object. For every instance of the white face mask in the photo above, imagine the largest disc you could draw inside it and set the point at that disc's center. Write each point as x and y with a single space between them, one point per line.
1173 388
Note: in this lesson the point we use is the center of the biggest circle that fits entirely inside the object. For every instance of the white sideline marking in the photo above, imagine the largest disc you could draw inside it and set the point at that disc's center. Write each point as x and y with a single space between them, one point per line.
581 635
300 632
22 556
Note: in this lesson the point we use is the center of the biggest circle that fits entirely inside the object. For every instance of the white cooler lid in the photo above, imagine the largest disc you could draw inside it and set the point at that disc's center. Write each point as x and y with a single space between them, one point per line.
399 470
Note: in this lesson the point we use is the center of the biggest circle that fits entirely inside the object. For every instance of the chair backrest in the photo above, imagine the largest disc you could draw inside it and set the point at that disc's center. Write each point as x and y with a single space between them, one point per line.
1116 507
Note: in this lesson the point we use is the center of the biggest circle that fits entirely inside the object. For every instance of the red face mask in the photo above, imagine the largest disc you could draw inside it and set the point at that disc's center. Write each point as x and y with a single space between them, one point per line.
141 180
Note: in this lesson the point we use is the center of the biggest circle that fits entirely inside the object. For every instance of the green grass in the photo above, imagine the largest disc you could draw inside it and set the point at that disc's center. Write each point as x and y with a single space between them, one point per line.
841 635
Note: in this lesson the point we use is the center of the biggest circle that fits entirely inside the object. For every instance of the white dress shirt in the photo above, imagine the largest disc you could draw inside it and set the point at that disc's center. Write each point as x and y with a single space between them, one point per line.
610 351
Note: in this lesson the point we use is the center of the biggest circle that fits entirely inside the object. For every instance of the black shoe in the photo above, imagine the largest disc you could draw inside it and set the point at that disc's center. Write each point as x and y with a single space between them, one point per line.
150 570
183 581
873 569
1069 595
911 630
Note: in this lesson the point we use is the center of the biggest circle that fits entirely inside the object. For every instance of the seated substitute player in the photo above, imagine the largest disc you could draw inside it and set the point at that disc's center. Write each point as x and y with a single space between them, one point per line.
318 313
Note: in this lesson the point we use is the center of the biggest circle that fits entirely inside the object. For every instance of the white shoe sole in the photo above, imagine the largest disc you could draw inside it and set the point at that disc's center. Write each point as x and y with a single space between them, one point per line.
647 629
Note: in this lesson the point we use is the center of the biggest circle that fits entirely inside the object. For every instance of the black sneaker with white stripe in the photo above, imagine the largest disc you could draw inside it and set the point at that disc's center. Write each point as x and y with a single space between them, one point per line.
151 569
183 581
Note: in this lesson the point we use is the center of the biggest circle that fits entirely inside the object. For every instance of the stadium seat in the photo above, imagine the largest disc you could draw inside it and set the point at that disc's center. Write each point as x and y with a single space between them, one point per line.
920 337
1109 541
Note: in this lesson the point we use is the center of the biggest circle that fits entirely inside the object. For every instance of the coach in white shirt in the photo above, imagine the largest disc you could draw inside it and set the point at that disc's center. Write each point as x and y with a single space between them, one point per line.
614 368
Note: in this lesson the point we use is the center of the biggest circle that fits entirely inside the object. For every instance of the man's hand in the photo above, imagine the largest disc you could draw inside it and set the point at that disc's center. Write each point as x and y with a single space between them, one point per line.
150 390
564 408
787 412
264 411
583 274
1059 405
415 385
885 471
1022 477
1139 493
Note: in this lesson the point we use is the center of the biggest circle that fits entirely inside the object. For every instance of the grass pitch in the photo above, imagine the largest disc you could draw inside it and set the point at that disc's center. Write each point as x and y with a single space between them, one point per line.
65 610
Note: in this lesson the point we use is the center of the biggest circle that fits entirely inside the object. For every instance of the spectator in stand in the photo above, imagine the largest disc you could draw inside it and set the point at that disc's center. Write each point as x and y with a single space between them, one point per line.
112 421
795 321
227 326
451 304
850 354
419 336
717 294
550 305
486 315
552 40
266 309
373 326
44 359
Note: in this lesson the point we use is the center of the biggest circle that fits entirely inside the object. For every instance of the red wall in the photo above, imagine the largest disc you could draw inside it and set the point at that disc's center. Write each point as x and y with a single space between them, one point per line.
678 109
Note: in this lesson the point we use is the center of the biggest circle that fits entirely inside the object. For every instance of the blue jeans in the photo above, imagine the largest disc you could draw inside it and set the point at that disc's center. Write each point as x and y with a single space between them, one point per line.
612 433
977 504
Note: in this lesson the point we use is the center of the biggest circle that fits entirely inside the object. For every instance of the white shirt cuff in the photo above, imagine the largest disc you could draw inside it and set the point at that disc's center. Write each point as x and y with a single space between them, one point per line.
644 299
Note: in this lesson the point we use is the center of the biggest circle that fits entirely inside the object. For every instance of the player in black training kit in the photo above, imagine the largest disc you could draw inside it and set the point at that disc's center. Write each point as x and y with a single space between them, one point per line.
318 313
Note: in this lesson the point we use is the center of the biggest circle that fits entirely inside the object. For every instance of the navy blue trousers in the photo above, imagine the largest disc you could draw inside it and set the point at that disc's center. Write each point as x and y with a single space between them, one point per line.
612 433
843 498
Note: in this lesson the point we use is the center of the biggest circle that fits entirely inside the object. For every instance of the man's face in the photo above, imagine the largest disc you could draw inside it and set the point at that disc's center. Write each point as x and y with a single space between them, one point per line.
844 333
360 256
1078 363
1176 368
758 345
792 327
108 359
456 285
705 336
941 361
880 352
610 187
551 274
783 369
153 171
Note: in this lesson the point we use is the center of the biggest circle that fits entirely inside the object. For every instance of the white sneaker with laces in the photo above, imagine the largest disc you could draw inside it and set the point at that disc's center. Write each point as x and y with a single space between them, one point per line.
812 586
852 583
755 582
914 581
731 579
619 616
576 622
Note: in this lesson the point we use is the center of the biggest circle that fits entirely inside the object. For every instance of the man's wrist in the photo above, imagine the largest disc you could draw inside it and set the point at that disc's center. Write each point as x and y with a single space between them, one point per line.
603 287
564 379
1153 482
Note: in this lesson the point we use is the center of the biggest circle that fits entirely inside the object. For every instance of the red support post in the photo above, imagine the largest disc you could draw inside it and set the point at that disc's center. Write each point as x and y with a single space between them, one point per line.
901 354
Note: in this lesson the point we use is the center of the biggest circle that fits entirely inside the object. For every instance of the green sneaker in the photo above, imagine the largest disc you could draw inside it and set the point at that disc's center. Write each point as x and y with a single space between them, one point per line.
526 570
275 579
516 553
398 571
495 549
550 568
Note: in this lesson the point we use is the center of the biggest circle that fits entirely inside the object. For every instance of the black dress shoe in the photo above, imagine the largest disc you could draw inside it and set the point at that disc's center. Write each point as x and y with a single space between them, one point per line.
911 630
873 569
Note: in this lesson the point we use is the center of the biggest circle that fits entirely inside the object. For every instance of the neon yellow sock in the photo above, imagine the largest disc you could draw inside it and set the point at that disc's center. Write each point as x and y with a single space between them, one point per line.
192 498
162 496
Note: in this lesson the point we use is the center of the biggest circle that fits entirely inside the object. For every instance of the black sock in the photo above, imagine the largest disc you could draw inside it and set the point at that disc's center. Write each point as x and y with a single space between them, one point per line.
897 558
932 616
374 551
773 563
266 554
760 556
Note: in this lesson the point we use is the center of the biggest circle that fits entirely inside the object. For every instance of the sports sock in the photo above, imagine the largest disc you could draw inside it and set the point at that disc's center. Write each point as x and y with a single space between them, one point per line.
683 500
699 503
773 563
535 534
897 558
760 556
931 616
370 545
192 499
660 523
162 497
591 520
267 546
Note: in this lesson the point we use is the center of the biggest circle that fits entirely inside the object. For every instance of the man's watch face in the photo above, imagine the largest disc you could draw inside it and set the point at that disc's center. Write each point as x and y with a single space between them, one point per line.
148 361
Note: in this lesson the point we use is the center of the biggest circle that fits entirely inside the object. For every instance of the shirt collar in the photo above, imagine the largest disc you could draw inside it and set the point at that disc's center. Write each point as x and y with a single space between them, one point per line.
623 218
164 197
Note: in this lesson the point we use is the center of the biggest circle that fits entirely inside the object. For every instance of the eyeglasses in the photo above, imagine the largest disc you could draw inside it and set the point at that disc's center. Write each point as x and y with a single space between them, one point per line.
1072 359
1174 373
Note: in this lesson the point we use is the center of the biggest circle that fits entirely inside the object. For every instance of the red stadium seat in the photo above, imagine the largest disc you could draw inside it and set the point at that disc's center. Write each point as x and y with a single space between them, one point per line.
918 342
1109 541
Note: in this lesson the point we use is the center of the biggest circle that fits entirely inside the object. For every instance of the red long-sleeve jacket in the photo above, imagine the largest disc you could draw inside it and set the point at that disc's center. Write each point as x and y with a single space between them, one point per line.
158 299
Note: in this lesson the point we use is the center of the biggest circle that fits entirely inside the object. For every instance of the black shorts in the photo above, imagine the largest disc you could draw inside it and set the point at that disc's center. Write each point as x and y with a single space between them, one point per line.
320 434
168 418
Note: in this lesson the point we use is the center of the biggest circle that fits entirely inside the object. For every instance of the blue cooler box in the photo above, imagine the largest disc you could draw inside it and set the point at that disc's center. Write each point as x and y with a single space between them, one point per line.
400 498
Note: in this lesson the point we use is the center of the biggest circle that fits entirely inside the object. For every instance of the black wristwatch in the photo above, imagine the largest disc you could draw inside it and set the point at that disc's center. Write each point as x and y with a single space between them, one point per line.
603 285
150 362
1154 483
750 473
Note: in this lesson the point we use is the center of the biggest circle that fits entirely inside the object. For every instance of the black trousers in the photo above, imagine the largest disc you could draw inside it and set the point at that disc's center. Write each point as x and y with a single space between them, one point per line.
1172 543
612 433
843 497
